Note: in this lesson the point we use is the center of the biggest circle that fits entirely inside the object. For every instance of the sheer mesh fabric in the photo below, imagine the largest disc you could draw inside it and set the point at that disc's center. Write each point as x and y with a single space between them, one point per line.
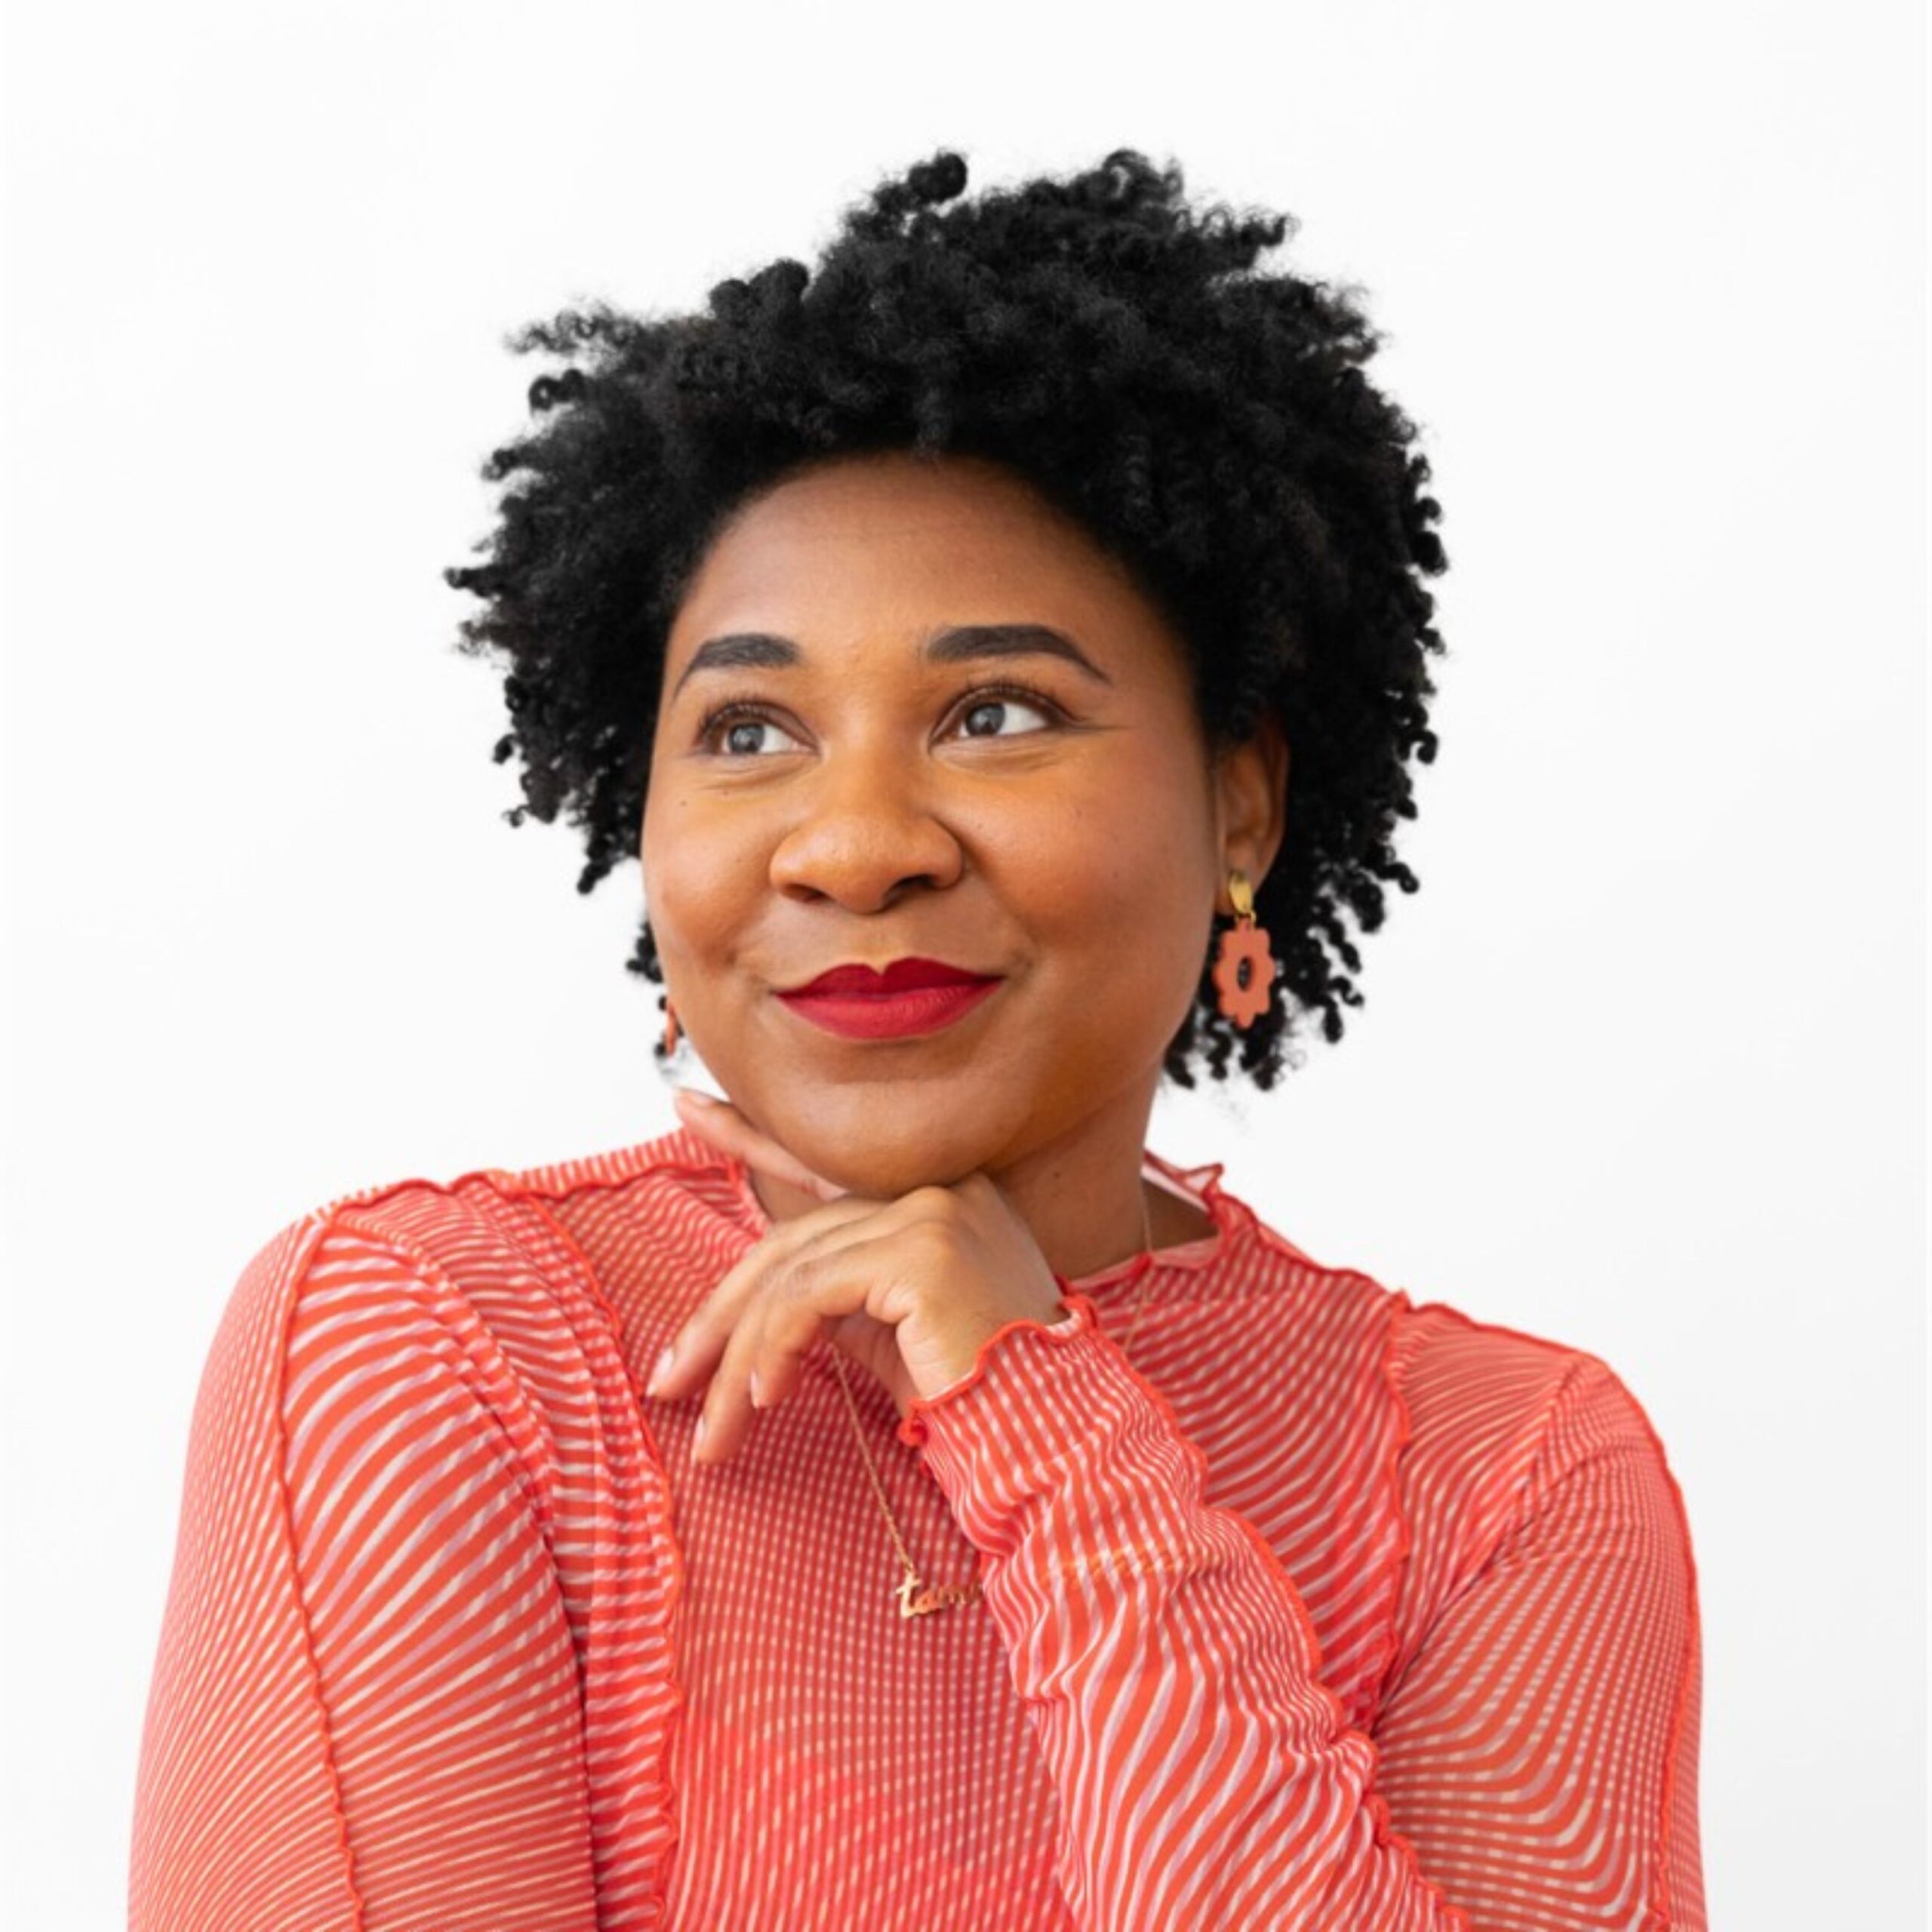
1325 1609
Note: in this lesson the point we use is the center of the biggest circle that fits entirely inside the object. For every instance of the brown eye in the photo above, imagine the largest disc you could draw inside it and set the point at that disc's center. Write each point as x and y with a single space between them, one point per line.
986 715
741 733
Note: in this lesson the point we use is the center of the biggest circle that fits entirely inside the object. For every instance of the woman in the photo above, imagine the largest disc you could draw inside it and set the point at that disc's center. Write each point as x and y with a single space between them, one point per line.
898 1497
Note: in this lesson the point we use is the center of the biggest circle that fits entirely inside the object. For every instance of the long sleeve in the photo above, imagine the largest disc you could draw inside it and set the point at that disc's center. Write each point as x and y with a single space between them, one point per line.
238 1818
1534 1767
397 1623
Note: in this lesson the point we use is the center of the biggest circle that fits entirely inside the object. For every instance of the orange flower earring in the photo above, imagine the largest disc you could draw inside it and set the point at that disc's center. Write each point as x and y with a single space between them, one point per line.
1243 967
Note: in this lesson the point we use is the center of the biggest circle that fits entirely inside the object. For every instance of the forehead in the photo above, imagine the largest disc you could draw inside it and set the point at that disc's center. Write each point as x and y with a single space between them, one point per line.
894 540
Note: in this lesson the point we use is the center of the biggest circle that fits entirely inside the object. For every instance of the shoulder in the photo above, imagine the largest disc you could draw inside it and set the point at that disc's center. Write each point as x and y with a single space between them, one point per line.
1493 1381
1476 1401
490 1241
503 1226
469 1296
519 1246
1471 1384
1509 1435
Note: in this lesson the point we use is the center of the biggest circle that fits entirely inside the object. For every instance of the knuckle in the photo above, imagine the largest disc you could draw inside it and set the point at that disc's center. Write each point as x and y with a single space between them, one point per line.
937 1206
934 1239
800 1278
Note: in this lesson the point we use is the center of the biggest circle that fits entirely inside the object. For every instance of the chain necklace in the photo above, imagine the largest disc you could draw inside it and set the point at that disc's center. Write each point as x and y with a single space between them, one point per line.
917 1598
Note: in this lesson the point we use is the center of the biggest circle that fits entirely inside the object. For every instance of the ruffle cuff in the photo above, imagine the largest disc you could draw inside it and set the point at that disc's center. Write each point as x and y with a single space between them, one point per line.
915 1426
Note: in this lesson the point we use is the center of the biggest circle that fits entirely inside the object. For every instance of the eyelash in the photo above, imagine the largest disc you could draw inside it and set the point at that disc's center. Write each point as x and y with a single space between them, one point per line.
739 711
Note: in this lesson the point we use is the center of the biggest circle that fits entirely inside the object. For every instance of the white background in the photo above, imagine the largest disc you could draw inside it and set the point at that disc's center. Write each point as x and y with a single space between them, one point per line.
1640 1068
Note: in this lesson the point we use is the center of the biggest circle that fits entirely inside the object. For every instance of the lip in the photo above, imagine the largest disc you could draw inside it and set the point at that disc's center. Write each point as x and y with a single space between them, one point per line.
911 997
897 976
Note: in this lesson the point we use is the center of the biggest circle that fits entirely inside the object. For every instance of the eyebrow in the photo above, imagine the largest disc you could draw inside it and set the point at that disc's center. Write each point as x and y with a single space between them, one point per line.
958 643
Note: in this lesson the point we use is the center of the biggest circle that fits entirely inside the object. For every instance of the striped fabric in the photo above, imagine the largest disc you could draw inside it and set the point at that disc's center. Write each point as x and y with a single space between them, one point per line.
1325 1609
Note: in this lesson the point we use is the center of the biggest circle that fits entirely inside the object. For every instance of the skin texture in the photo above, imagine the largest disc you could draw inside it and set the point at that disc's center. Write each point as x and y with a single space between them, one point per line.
851 813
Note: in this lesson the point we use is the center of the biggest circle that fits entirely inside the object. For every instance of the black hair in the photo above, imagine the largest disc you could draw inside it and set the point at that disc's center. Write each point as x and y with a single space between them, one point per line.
1208 424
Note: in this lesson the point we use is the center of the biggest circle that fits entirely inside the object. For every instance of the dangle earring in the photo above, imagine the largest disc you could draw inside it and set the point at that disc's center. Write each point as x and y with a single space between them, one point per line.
672 1034
1243 967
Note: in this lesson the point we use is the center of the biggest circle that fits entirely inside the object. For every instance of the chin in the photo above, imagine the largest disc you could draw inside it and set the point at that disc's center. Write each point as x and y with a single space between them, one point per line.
886 1174
882 1149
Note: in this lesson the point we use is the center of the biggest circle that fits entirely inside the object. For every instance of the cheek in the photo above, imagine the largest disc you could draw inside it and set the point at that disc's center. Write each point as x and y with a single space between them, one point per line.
1127 887
690 891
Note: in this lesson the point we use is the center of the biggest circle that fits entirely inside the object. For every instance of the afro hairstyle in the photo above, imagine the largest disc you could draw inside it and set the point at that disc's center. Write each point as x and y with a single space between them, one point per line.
1208 424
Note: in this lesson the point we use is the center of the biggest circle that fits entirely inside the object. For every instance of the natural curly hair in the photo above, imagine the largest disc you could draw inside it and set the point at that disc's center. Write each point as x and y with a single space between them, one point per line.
1210 426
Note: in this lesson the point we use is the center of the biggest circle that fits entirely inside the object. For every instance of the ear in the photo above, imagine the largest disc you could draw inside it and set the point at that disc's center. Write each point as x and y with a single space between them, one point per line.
1251 791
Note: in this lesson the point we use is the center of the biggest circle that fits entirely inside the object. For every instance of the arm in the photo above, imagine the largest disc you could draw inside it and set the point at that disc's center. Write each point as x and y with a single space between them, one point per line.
1533 1766
366 1712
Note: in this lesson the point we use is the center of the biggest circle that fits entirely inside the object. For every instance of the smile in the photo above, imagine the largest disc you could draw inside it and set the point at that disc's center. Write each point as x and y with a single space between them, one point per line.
891 1016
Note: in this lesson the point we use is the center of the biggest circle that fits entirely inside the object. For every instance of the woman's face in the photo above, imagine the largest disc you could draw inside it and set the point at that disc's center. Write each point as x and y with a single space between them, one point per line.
844 774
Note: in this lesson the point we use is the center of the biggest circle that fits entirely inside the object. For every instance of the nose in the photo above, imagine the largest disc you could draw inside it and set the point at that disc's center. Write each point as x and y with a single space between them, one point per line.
867 830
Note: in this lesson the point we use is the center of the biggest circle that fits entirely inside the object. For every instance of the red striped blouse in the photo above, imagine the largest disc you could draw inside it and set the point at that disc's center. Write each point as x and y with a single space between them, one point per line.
1323 1609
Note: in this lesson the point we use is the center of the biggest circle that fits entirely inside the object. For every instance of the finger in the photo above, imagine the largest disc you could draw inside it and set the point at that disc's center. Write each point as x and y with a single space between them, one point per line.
809 1294
698 1346
719 1122
851 1287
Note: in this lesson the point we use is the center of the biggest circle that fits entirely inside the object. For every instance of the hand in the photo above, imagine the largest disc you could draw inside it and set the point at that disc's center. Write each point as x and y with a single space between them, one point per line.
910 1288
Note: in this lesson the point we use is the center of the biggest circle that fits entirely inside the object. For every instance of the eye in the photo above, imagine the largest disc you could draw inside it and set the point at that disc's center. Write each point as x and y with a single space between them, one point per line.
741 729
987 710
734 730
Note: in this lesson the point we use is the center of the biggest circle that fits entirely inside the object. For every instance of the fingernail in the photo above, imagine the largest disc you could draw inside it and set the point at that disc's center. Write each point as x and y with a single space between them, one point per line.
697 1436
696 1098
661 1372
757 1401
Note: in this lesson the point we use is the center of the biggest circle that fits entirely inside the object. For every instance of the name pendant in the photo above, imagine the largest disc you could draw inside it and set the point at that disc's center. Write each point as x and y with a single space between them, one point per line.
918 1599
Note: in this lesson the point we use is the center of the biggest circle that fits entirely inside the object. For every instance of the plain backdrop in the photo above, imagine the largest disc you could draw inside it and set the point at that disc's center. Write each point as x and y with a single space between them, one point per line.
1640 1067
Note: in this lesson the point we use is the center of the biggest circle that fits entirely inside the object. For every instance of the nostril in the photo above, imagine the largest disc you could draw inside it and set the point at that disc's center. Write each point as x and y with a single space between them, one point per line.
865 860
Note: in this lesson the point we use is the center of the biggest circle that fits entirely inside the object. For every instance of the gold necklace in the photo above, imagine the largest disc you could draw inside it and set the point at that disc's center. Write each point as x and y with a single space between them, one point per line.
917 1598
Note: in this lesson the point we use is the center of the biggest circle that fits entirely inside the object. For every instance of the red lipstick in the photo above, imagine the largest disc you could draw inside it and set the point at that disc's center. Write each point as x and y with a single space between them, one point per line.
911 996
